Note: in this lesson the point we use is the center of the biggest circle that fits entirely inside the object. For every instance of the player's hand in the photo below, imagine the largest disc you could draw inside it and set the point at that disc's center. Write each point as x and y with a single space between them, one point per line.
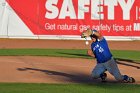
90 53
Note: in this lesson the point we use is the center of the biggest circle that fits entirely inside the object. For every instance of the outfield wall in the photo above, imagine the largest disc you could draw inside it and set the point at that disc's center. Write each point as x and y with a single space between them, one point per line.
66 19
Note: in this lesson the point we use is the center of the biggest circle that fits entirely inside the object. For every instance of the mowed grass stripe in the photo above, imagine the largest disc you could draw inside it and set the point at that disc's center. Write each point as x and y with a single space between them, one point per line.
72 53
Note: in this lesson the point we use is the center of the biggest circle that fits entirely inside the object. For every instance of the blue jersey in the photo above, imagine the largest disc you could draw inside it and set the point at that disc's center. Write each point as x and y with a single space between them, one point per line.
101 51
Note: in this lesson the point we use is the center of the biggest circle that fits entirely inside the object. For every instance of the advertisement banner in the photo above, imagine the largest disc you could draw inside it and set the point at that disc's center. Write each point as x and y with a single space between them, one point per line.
71 17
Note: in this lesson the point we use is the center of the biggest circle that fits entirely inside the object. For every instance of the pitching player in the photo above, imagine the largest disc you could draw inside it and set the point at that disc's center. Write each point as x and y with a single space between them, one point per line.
105 61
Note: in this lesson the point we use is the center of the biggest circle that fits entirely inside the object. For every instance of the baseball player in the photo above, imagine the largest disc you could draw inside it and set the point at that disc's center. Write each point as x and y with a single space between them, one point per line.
105 61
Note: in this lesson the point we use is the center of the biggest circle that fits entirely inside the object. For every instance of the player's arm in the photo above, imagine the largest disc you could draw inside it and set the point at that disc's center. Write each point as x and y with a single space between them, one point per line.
90 53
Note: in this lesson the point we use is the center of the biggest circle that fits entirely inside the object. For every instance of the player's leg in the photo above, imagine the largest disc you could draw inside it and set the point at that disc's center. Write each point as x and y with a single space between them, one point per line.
98 72
114 70
112 67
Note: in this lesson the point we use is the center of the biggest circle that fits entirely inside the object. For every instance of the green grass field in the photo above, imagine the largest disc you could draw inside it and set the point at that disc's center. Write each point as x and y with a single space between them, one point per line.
69 88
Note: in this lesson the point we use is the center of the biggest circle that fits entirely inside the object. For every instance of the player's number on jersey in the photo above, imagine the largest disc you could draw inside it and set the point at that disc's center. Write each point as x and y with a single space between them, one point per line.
101 49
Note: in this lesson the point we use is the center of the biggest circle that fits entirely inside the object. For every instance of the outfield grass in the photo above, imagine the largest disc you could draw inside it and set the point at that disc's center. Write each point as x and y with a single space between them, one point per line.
68 88
73 53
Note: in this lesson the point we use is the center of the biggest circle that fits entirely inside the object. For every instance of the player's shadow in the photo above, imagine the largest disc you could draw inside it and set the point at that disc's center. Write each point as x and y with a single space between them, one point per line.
78 78
128 62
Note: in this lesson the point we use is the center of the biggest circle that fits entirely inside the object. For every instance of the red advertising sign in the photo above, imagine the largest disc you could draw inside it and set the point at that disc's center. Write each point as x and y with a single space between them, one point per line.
70 17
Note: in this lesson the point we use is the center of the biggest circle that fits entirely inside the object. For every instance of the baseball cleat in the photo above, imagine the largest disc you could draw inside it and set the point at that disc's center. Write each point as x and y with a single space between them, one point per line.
103 77
128 79
131 80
